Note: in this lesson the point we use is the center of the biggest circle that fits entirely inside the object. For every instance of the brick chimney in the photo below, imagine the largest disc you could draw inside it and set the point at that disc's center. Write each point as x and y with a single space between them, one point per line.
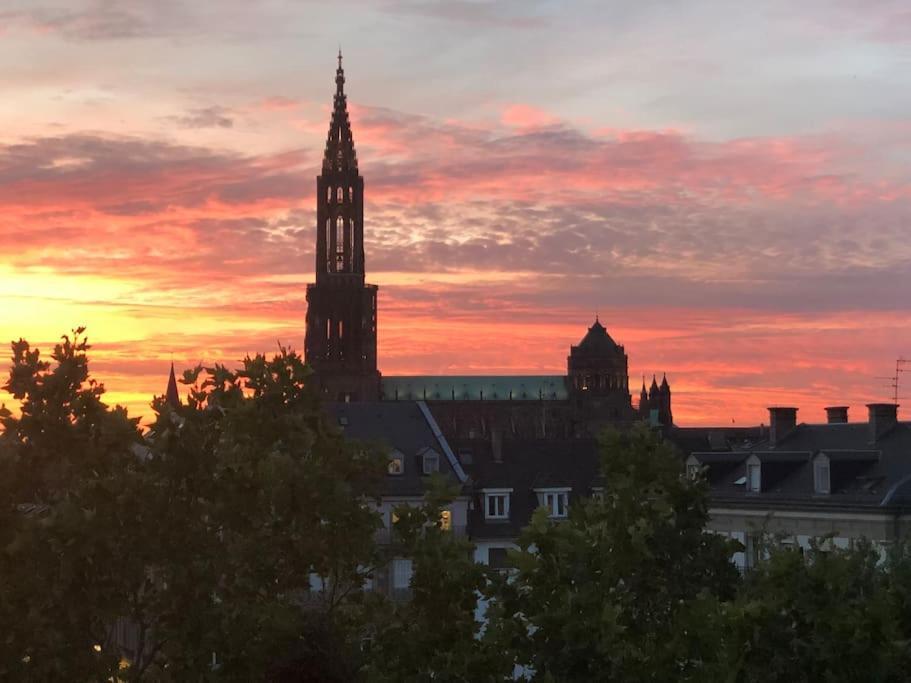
781 422
883 416
836 415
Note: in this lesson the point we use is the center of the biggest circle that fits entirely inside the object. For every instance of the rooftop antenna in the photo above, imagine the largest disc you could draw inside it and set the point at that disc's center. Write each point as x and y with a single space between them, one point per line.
893 380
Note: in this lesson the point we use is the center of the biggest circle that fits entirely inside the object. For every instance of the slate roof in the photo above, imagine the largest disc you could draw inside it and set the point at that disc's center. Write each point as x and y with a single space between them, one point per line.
597 341
401 426
526 465
863 473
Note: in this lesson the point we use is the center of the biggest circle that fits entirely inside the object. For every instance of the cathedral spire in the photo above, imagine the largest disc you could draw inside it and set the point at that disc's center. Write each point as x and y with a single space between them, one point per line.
340 156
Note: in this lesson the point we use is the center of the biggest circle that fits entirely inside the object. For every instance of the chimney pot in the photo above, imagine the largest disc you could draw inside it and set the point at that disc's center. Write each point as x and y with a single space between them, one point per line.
837 414
883 416
781 421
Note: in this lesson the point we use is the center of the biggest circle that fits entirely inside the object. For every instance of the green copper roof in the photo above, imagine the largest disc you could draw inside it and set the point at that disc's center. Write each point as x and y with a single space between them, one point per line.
474 388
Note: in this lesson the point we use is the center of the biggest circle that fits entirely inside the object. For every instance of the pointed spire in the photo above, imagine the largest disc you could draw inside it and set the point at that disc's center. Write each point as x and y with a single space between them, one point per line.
664 384
340 154
171 395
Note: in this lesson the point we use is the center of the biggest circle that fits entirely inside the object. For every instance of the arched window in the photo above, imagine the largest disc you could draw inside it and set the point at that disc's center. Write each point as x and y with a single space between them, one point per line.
340 195
350 193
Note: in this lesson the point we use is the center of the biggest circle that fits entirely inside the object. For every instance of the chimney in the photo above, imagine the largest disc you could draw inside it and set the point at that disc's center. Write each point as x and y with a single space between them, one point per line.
496 445
883 416
781 422
836 415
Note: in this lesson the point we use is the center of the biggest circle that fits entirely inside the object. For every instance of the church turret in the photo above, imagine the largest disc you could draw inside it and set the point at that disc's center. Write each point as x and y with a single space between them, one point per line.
643 401
653 390
172 396
666 416
598 379
341 310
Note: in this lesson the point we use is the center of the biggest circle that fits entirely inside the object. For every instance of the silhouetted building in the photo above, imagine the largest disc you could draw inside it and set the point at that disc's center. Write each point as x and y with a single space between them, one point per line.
655 404
342 324
341 309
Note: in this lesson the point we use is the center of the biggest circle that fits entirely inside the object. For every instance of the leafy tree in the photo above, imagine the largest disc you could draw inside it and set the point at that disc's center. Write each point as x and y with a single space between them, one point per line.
61 539
197 543
629 588
436 635
821 615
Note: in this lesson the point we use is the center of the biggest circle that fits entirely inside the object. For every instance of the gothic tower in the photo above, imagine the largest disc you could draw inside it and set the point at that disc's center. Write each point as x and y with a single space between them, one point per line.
341 309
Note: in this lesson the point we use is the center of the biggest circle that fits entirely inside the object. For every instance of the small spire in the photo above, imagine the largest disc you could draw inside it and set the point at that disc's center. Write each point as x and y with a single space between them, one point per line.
664 384
340 57
172 396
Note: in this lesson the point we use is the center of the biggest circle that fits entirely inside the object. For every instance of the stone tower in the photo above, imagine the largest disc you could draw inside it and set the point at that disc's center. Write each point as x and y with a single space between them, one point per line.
598 380
341 309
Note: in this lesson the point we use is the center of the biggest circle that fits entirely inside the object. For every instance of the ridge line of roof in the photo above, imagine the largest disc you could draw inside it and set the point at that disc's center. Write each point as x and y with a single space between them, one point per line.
435 428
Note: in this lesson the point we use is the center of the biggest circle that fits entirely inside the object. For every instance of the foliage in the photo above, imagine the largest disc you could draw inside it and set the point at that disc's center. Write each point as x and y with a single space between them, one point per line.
198 541
62 530
629 588
824 614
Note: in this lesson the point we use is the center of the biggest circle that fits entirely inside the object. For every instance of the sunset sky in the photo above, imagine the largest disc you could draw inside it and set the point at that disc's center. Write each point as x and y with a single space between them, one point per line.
726 184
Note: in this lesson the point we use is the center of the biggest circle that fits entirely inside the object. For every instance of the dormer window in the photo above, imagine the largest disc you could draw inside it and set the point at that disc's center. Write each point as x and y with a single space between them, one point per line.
496 503
692 469
396 464
754 475
555 500
430 462
821 475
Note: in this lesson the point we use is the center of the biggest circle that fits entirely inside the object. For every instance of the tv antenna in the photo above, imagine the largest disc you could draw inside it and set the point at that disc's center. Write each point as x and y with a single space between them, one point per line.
894 380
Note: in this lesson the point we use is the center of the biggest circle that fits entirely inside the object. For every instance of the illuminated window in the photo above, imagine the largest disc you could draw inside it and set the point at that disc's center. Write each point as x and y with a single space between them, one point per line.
446 520
396 464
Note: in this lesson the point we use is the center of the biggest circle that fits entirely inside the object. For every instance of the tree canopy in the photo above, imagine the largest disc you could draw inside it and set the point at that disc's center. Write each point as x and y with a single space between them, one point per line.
234 538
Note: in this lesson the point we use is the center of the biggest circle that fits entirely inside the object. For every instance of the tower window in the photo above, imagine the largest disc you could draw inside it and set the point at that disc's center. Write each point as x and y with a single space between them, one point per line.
350 193
340 195
328 194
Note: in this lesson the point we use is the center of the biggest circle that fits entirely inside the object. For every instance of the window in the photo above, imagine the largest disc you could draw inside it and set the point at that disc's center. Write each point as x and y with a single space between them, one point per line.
498 558
754 481
555 500
692 471
598 493
496 503
401 573
431 462
446 520
821 481
340 195
396 464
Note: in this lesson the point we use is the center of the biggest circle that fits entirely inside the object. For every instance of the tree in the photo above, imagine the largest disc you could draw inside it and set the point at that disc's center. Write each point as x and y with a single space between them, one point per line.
61 540
436 635
194 546
629 587
823 614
